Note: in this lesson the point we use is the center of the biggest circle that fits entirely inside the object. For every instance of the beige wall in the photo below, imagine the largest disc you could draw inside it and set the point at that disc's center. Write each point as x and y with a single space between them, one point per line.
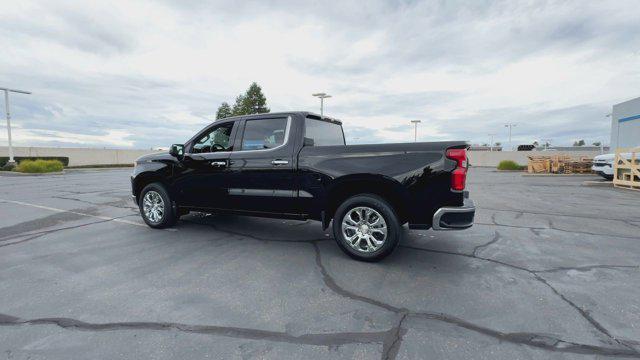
81 156
85 156
488 158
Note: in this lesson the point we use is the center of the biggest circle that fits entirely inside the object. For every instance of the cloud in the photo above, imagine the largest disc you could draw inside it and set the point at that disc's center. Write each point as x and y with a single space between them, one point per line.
99 30
151 73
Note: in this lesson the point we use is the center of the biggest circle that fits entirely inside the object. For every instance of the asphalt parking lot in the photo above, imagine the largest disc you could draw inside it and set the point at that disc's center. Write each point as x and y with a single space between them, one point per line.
550 270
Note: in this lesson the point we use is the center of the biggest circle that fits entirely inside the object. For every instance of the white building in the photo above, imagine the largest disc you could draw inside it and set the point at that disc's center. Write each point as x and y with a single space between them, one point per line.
625 124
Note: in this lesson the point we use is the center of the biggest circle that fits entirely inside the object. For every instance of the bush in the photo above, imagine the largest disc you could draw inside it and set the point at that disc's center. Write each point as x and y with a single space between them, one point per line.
7 167
63 159
510 165
39 166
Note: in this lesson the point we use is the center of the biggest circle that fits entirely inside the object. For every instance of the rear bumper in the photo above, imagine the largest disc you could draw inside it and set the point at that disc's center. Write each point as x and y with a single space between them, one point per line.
454 217
450 217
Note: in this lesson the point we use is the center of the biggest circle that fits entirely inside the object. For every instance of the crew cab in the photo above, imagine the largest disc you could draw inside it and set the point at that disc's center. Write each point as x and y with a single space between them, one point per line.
296 165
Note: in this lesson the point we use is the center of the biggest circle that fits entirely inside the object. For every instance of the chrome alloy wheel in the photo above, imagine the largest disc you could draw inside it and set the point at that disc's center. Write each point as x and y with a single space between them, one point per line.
364 229
153 206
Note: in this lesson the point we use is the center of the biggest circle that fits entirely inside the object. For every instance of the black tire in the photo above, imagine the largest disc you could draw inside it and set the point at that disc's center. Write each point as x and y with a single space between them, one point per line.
383 208
168 217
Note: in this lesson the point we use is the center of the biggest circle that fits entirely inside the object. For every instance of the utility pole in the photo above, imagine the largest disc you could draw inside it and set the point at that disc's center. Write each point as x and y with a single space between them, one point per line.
510 126
6 104
415 131
322 96
491 143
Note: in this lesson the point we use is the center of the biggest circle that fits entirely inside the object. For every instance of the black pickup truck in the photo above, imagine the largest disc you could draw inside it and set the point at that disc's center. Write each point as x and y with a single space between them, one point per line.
296 165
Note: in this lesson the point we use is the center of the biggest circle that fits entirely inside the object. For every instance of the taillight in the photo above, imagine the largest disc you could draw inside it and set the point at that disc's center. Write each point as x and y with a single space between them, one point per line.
459 174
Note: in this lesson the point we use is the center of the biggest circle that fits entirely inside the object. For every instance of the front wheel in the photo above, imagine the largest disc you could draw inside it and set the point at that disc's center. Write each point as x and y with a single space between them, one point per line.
155 206
366 227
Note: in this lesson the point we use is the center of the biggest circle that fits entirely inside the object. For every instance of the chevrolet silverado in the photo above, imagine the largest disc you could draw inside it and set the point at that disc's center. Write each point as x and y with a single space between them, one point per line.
296 165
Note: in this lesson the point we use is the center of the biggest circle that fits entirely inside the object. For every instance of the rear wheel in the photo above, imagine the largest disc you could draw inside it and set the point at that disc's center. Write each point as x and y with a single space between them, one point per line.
155 206
366 227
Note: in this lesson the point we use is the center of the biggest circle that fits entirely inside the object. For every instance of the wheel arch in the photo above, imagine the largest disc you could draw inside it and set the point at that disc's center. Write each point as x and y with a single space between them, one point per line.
146 178
345 187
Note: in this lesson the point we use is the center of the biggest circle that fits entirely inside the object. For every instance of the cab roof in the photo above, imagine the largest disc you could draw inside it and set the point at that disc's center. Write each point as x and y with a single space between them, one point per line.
284 113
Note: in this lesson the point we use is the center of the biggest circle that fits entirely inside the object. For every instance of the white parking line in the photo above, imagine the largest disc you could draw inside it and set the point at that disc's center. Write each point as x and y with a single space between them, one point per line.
73 212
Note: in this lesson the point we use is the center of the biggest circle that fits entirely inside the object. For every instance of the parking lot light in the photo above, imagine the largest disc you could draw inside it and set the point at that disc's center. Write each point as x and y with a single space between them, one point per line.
322 96
510 126
491 143
6 104
415 130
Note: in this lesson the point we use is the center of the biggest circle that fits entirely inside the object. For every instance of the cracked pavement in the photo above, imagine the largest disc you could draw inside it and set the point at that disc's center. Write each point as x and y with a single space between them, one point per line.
550 270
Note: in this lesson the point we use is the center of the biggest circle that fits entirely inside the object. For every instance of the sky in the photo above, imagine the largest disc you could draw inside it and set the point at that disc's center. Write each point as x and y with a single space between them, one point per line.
146 74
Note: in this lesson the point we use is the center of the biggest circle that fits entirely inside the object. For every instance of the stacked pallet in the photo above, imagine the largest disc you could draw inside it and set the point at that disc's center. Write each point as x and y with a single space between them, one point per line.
539 164
558 164
582 166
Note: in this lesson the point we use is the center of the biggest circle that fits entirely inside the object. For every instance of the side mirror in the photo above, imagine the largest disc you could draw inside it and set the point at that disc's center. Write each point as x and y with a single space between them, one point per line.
177 151
308 142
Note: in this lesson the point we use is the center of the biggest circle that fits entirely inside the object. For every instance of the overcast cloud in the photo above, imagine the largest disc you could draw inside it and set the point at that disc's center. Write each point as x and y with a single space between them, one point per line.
150 73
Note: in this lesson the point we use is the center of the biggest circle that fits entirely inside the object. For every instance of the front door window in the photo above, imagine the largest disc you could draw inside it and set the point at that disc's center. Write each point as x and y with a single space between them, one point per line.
218 139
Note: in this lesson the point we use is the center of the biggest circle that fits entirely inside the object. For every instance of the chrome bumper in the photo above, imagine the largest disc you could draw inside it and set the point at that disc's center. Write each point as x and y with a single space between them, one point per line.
455 217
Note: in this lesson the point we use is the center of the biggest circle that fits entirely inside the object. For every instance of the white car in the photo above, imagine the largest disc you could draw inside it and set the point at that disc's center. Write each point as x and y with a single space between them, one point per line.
603 165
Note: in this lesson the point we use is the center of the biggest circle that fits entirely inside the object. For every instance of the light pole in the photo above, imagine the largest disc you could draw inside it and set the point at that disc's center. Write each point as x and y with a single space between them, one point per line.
415 131
322 96
491 143
617 135
6 104
510 126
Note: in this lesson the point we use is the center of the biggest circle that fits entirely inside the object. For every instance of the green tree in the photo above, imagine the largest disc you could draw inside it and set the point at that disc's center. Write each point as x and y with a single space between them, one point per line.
597 143
239 106
224 111
254 101
578 143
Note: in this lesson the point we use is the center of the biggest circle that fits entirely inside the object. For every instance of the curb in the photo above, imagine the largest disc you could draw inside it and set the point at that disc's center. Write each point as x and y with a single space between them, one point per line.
19 174
98 168
557 175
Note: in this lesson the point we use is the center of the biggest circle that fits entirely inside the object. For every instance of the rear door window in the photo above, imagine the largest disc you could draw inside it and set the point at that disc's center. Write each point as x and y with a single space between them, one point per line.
263 134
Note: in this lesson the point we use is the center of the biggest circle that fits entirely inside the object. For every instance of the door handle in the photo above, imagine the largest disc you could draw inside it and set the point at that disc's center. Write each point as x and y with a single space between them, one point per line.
279 162
219 163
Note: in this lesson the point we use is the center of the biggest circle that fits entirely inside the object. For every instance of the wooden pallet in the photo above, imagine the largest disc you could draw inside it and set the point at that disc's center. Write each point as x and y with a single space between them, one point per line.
558 164
578 167
626 171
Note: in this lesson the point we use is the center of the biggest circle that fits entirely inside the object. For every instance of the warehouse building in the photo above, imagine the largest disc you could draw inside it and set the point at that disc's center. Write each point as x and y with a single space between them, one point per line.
625 124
